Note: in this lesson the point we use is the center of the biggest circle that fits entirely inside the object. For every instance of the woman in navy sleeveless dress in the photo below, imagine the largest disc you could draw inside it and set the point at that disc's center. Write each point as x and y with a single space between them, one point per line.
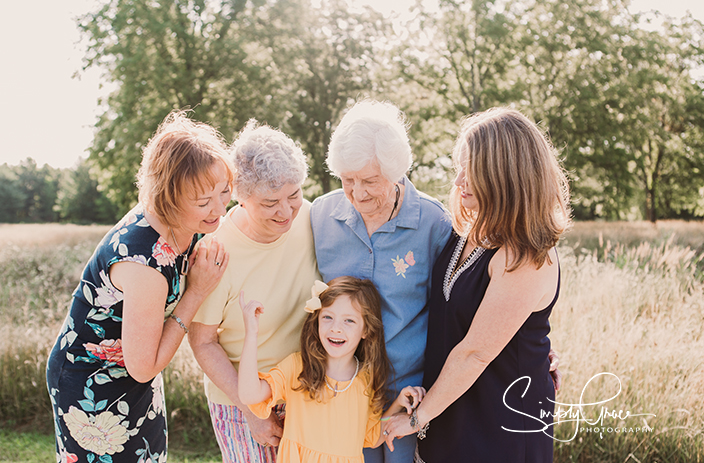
103 373
474 424
494 286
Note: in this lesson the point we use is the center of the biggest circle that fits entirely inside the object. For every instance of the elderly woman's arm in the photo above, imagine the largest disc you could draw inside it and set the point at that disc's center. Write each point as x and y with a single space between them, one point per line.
214 361
508 302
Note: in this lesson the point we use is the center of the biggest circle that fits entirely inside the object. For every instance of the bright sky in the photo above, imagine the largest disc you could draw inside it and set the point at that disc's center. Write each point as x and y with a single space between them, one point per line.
48 115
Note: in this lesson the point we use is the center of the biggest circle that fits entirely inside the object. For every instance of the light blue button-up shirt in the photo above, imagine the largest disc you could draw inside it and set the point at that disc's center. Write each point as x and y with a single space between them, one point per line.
398 258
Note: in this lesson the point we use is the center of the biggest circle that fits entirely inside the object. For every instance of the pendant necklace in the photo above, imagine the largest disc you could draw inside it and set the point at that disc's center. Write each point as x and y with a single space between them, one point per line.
335 391
398 195
184 258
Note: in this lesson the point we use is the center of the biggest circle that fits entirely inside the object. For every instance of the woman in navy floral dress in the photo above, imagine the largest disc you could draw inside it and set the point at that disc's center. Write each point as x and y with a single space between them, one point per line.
130 312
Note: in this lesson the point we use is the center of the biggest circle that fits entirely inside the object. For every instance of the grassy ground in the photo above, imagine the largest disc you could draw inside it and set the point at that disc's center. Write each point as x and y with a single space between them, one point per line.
632 305
35 447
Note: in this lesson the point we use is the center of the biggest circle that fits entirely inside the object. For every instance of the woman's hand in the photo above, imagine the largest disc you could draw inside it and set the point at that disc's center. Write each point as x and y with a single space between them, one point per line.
409 398
207 266
554 372
398 423
267 431
397 426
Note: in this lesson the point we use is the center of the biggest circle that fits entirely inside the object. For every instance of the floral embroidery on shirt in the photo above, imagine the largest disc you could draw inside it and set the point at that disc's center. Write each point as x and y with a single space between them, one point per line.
402 263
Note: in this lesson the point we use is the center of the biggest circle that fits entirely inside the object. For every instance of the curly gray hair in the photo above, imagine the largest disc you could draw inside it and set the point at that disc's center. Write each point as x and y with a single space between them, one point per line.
266 159
371 131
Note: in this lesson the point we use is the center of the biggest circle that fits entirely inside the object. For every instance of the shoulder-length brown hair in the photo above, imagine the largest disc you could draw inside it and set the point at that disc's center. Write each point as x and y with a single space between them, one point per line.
371 351
177 165
521 189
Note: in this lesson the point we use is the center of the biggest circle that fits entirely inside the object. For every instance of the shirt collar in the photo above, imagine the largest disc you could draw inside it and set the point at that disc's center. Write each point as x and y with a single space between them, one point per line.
408 216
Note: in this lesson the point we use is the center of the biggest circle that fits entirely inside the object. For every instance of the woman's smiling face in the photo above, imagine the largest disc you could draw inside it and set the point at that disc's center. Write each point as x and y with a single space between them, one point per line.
367 189
469 201
270 214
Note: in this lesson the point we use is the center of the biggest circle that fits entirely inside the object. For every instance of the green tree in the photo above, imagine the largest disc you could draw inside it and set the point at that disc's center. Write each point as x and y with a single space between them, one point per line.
616 99
39 188
164 56
324 59
81 200
12 196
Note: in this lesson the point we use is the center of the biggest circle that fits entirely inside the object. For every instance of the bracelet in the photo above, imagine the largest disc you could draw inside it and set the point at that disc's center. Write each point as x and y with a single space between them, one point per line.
416 425
179 321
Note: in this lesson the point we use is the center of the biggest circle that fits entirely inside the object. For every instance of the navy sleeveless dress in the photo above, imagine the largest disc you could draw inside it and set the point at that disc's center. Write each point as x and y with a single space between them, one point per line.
101 414
498 418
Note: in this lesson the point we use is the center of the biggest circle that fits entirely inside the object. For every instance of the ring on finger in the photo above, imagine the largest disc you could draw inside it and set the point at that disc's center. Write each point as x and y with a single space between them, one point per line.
217 263
386 433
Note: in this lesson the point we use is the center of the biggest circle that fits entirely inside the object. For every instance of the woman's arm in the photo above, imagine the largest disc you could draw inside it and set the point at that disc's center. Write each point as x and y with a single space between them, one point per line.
148 342
508 302
214 361
252 390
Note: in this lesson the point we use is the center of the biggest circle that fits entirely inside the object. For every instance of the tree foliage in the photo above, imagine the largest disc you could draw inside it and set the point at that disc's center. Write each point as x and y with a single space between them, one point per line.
616 98
164 56
324 60
622 98
81 199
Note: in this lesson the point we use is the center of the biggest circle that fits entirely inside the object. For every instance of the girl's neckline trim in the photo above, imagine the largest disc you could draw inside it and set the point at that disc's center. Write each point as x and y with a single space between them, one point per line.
451 275
336 391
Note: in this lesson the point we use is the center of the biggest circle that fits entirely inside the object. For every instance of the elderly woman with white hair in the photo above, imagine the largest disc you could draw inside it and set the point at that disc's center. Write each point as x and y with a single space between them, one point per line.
379 227
269 238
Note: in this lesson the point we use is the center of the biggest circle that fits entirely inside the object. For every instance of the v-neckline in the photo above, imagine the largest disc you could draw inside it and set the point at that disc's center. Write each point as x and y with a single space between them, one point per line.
453 271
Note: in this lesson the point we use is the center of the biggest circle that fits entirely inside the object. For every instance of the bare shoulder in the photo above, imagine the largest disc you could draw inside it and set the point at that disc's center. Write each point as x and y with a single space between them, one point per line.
540 283
132 275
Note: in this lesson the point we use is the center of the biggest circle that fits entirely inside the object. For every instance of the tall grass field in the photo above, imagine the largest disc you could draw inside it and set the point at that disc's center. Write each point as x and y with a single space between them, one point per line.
629 328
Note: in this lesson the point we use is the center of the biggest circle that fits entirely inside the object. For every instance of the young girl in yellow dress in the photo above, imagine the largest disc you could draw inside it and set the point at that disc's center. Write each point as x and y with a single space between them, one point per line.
334 388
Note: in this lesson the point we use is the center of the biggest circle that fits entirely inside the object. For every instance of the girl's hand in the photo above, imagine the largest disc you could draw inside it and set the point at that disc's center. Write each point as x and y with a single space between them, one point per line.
207 266
251 312
410 397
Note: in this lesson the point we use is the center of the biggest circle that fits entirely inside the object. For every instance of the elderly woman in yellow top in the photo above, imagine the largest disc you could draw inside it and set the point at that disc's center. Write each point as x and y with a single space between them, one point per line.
269 238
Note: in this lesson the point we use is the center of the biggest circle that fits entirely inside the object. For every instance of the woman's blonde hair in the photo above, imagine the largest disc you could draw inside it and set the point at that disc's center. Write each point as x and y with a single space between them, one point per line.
521 189
177 165
371 351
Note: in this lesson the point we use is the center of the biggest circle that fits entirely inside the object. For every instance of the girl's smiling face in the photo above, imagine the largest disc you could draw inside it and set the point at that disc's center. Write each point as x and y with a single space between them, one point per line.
341 328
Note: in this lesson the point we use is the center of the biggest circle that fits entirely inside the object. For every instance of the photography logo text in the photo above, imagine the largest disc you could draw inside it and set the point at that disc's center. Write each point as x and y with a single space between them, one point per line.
590 417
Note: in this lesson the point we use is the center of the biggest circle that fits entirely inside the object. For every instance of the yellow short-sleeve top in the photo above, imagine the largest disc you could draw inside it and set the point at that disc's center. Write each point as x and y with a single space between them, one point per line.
332 431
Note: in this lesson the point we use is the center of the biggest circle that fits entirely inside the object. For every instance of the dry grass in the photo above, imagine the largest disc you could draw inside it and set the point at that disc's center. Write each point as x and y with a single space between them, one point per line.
638 313
632 304
52 234
589 234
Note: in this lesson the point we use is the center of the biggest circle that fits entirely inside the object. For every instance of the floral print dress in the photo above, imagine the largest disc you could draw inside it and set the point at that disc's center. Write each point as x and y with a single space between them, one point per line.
102 414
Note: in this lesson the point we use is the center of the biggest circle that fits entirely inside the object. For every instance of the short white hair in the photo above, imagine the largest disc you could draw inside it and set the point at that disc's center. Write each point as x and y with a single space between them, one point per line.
371 131
265 159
